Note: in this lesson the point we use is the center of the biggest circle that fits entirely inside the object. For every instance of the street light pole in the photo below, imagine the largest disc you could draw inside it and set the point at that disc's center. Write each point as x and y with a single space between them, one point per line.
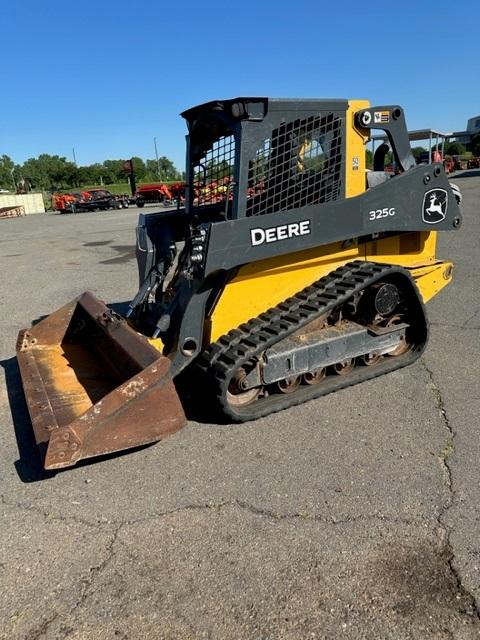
156 156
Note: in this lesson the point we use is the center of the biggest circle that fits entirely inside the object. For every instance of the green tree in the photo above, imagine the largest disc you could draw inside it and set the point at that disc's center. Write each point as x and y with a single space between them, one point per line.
7 167
168 171
454 148
475 145
35 173
368 159
113 171
52 173
139 168
152 171
417 151
49 172
214 170
90 174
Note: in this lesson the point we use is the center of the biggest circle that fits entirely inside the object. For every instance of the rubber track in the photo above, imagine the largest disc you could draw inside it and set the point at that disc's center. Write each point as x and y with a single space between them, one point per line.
219 362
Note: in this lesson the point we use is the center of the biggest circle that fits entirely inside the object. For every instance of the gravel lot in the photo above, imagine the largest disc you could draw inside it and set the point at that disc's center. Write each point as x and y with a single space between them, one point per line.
353 516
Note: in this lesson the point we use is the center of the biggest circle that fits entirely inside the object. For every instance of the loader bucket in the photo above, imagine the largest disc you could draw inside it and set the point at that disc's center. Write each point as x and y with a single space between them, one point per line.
93 385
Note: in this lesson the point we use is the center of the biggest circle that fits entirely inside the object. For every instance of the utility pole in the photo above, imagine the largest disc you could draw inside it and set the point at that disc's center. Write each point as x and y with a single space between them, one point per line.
74 157
13 179
156 156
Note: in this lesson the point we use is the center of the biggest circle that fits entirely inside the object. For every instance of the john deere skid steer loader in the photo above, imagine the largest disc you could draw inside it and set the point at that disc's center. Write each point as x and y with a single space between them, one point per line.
291 272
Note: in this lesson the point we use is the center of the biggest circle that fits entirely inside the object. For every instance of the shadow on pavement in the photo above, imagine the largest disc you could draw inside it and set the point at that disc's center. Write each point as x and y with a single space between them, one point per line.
189 387
28 466
468 173
119 307
197 401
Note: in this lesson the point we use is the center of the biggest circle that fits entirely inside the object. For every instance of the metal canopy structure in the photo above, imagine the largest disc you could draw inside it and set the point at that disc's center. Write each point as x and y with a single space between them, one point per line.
421 134
436 139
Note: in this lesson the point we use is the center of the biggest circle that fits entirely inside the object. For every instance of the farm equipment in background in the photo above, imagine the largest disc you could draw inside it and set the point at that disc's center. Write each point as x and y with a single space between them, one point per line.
162 193
214 191
89 200
450 163
300 275
457 164
151 193
64 202
177 189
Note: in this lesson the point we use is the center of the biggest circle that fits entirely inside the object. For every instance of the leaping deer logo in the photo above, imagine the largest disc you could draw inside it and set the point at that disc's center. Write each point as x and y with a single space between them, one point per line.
434 206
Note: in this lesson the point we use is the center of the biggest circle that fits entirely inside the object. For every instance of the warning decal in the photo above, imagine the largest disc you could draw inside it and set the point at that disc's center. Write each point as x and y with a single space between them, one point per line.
380 117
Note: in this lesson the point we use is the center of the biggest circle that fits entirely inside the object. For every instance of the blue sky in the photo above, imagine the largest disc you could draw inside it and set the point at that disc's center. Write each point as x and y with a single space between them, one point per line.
106 77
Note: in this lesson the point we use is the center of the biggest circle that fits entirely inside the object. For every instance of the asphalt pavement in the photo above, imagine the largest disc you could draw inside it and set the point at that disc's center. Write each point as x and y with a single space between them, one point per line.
353 516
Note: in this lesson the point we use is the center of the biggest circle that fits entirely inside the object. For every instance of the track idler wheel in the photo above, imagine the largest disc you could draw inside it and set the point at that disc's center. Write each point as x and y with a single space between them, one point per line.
345 367
370 359
289 385
404 345
238 395
314 377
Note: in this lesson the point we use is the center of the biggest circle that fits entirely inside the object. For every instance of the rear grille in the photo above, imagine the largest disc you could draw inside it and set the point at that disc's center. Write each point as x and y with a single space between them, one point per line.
213 174
299 165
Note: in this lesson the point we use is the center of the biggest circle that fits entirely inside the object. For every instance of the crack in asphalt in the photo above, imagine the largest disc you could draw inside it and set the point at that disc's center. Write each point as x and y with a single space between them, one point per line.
265 513
459 327
87 582
449 444
94 572
41 630
213 506
306 516
464 325
50 516
444 530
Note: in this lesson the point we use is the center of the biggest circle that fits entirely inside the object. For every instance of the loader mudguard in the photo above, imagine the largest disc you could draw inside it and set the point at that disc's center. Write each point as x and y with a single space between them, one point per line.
93 385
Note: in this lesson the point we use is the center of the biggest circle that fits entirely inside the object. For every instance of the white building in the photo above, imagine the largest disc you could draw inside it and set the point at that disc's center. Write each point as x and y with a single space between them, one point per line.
473 129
